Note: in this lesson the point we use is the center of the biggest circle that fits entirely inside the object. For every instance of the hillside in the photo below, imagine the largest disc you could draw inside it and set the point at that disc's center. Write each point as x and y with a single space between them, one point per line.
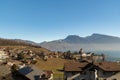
93 42
22 44
7 42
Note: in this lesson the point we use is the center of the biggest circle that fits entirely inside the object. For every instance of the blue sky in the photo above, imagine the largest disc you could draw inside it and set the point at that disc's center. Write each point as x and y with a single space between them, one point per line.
46 20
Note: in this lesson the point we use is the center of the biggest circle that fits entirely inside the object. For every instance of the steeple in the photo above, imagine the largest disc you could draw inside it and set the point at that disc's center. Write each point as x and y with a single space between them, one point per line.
81 51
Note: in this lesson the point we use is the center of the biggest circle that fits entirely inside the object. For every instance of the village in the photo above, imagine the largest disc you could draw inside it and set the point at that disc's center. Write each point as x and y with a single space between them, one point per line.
21 64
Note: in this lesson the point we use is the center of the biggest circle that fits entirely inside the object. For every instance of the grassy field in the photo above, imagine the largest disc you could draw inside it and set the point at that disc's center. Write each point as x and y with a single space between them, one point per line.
54 64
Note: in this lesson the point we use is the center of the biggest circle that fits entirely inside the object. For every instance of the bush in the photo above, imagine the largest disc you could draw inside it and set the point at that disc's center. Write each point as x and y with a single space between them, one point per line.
13 68
33 61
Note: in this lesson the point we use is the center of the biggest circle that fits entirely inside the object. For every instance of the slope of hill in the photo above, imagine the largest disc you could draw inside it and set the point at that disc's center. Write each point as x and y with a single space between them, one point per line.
99 38
17 46
22 44
6 42
93 42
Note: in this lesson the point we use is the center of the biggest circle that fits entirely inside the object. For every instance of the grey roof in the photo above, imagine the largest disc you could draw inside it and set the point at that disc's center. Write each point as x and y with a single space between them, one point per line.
30 72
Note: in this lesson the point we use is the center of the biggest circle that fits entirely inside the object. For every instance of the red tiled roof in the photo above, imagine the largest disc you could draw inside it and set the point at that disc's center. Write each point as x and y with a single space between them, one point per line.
79 66
74 66
108 66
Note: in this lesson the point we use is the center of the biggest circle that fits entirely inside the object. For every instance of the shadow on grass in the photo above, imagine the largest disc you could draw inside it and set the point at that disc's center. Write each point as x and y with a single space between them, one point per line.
60 70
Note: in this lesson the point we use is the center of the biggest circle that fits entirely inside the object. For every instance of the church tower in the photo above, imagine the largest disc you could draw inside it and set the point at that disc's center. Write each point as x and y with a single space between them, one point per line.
81 52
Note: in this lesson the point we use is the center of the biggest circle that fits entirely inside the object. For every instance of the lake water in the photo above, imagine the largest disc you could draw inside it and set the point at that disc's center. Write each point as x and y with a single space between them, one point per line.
110 55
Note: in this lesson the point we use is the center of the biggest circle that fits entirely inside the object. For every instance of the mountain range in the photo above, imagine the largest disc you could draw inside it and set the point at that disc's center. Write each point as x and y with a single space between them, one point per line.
72 42
75 42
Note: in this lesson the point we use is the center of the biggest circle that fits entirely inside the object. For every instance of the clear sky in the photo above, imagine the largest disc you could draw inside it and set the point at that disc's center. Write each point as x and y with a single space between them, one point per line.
46 20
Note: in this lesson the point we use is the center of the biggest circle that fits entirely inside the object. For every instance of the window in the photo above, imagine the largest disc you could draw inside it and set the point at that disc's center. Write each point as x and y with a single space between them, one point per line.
73 73
85 73
104 73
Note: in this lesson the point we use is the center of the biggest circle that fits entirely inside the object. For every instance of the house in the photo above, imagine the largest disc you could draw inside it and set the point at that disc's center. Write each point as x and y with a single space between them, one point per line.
92 71
108 70
74 70
76 56
91 56
32 73
3 56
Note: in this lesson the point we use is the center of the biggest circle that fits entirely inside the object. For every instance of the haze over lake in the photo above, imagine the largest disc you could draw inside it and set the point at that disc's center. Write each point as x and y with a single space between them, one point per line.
110 55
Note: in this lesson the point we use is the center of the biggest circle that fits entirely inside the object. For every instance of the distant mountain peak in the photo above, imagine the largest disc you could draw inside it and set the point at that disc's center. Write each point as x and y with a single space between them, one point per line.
72 36
72 39
94 34
97 34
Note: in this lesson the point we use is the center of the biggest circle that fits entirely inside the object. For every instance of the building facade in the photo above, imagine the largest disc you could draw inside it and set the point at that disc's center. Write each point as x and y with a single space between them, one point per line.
92 71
